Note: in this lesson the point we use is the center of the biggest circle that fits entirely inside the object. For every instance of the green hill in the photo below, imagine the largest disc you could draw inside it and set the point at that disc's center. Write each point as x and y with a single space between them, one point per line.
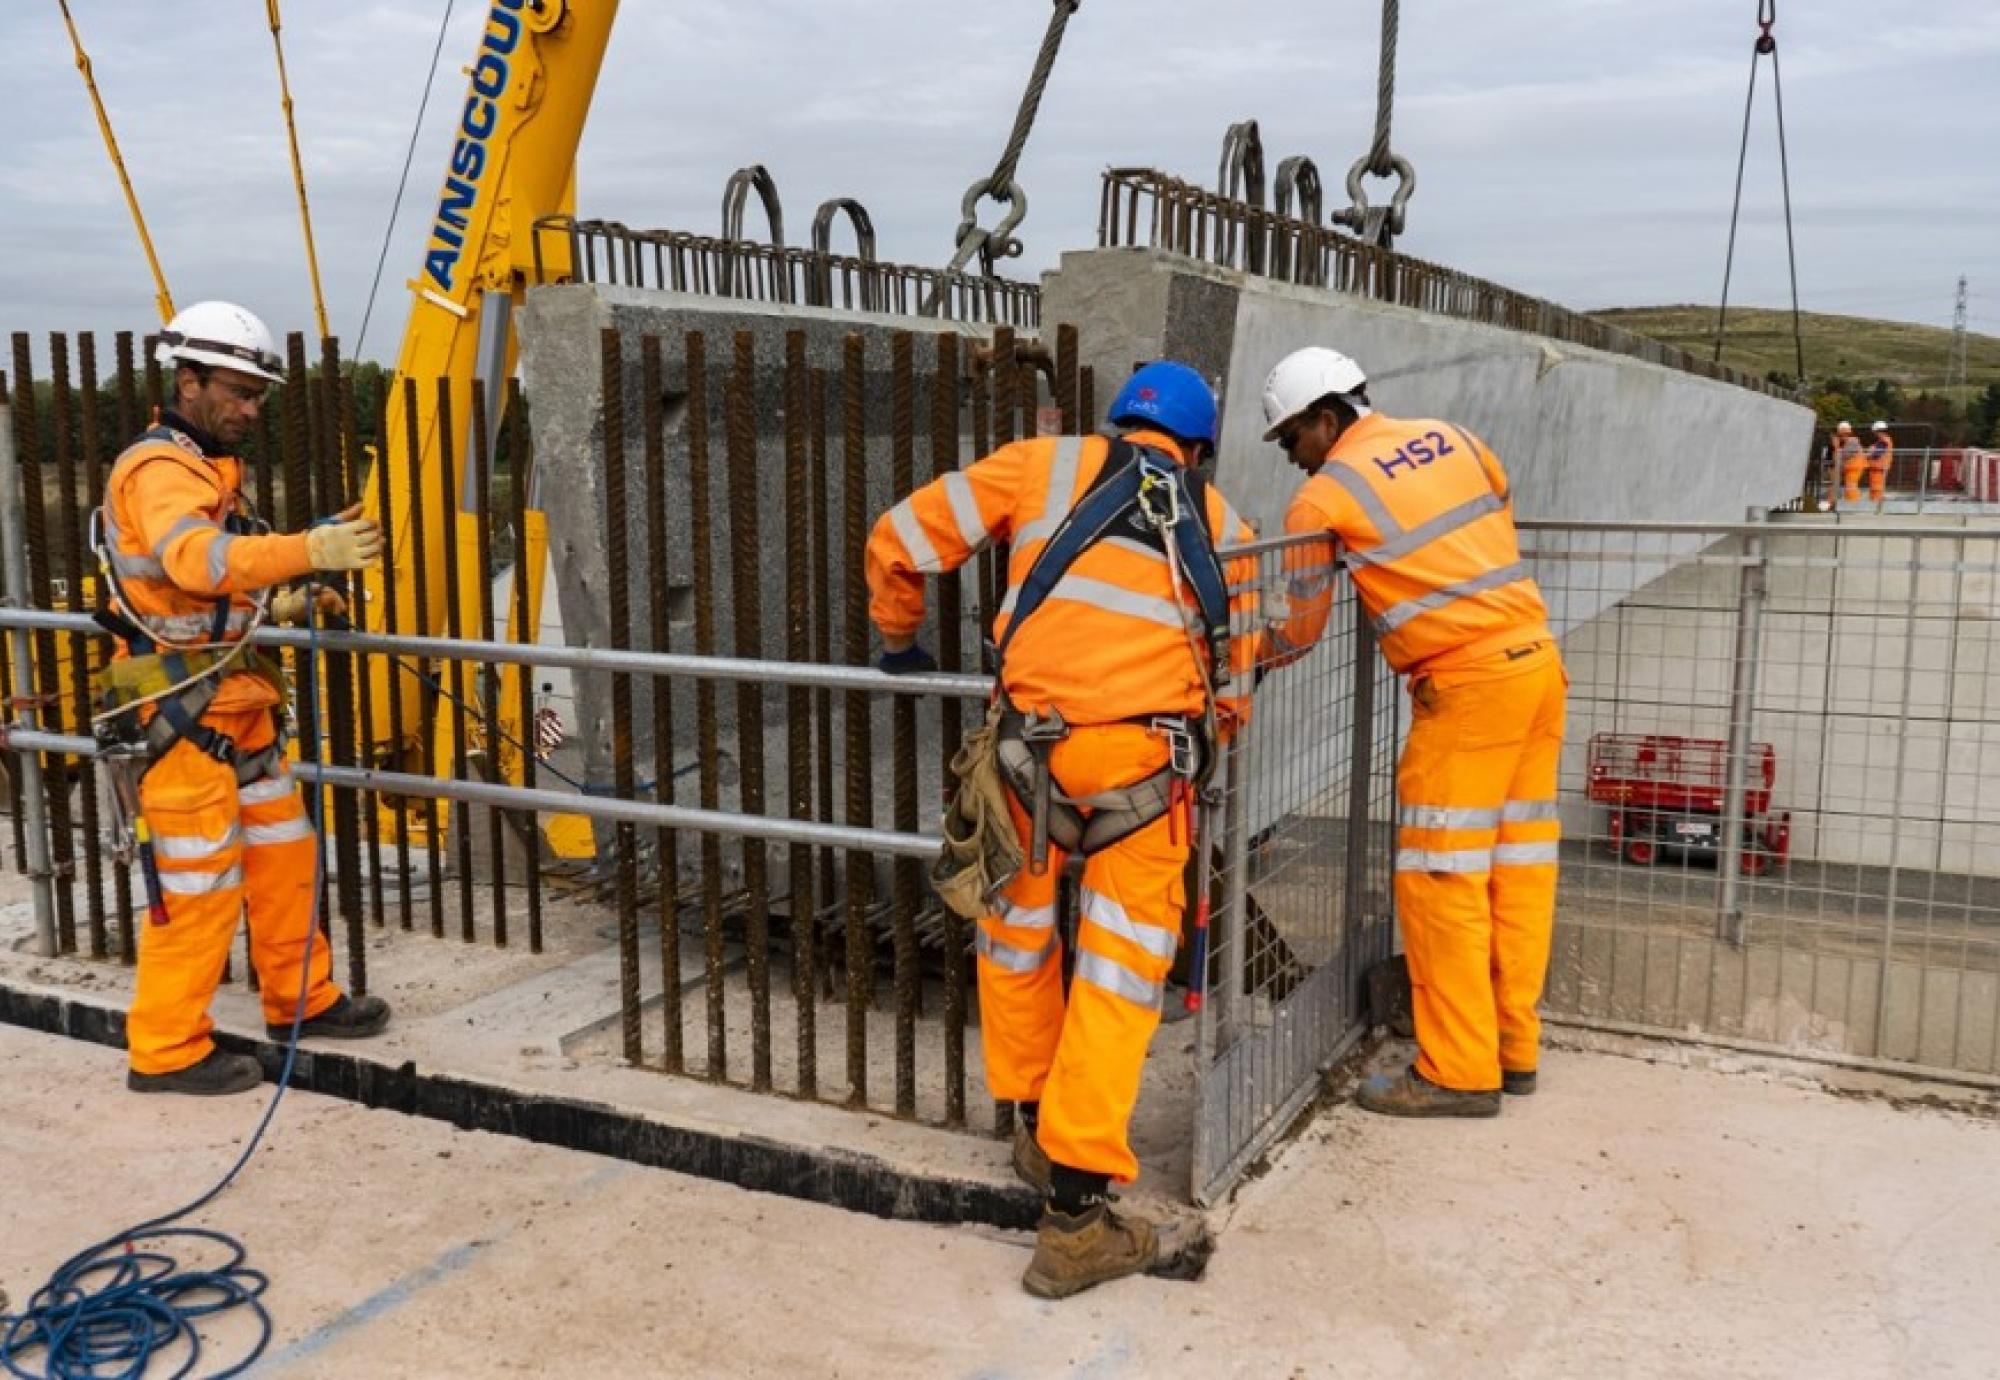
1759 340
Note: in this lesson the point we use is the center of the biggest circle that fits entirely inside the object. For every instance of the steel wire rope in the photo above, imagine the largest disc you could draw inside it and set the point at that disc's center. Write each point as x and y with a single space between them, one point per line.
1385 89
1766 43
111 1307
403 182
1381 224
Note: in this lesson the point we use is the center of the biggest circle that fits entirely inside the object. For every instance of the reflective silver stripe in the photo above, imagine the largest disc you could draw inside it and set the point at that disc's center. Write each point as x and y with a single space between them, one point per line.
269 789
1005 955
1424 533
137 567
1394 618
1027 917
284 831
965 511
924 556
1526 854
1457 860
1007 600
218 559
1112 599
200 883
1062 479
193 847
1370 501
1115 978
1447 817
182 627
1529 811
1105 913
186 524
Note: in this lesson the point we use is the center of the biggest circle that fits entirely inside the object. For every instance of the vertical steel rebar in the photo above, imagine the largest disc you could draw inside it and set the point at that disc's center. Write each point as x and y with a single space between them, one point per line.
617 540
519 473
46 682
336 441
392 623
489 675
94 476
358 615
802 901
16 592
433 811
855 715
985 602
454 622
666 844
951 724
906 879
298 516
701 520
81 645
1086 394
1066 377
824 571
745 593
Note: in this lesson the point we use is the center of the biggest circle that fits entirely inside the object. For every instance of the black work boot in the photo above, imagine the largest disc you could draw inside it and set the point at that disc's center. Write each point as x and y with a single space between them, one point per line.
216 1075
1076 1252
1409 1093
1031 1162
1517 1084
346 1019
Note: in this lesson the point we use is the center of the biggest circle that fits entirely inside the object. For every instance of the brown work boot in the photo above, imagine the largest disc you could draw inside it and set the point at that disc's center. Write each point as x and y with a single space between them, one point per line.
1074 1253
1031 1162
1517 1084
1409 1093
347 1019
216 1075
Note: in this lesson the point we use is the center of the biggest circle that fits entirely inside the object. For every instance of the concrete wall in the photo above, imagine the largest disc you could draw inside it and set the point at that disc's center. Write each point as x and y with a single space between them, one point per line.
1583 433
1878 686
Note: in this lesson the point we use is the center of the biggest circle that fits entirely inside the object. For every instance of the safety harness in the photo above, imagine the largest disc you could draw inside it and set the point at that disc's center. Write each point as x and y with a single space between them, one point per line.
1142 495
180 680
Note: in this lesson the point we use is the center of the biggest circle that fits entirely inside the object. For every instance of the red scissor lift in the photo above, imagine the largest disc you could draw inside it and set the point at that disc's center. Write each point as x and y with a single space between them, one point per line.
1666 792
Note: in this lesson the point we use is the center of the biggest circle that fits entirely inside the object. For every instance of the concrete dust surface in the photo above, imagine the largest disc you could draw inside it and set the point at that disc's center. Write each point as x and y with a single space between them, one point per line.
1632 1219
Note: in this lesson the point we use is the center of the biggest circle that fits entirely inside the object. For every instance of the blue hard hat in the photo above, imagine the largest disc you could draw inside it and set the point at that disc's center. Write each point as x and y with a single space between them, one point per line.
1169 396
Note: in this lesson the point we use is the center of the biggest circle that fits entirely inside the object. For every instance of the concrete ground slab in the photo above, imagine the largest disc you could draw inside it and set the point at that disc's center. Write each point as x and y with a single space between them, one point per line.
1632 1219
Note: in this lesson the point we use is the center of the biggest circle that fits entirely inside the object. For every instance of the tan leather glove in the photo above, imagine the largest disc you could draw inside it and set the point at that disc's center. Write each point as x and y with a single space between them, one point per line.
288 606
350 542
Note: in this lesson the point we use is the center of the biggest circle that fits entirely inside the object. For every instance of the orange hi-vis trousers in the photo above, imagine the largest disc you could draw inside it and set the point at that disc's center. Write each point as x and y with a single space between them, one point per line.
1083 1059
1476 860
222 849
1850 478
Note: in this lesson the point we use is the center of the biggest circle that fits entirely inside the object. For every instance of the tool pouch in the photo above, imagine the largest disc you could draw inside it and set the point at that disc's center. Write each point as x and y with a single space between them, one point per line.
981 852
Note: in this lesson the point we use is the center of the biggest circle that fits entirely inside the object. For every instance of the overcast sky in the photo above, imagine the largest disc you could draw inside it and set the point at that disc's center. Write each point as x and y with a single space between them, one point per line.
1582 150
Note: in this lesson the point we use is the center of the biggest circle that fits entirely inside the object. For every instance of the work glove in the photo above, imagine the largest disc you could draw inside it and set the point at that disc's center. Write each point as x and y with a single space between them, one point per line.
288 606
347 542
912 660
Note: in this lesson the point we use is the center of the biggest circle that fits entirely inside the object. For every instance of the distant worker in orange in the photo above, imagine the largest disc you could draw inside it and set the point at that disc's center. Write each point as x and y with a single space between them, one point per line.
1881 452
1847 461
1117 674
224 831
1423 511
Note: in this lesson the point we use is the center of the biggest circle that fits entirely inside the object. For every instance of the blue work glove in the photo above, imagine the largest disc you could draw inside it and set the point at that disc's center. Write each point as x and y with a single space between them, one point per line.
912 660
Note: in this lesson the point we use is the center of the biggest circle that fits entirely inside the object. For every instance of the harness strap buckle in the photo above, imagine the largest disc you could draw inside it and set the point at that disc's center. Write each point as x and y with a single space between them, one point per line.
1182 755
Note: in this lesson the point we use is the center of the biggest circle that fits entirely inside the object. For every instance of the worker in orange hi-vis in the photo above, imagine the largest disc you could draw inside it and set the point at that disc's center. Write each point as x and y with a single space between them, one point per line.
195 712
1847 461
1117 677
1881 452
1423 512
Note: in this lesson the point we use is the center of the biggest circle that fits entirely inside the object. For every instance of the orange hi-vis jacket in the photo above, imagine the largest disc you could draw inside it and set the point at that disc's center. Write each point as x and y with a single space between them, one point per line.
166 507
1112 641
1881 451
1422 508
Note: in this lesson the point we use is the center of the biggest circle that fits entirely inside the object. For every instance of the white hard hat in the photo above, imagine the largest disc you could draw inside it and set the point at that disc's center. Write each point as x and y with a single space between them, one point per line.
1845 426
1879 426
1302 378
224 335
